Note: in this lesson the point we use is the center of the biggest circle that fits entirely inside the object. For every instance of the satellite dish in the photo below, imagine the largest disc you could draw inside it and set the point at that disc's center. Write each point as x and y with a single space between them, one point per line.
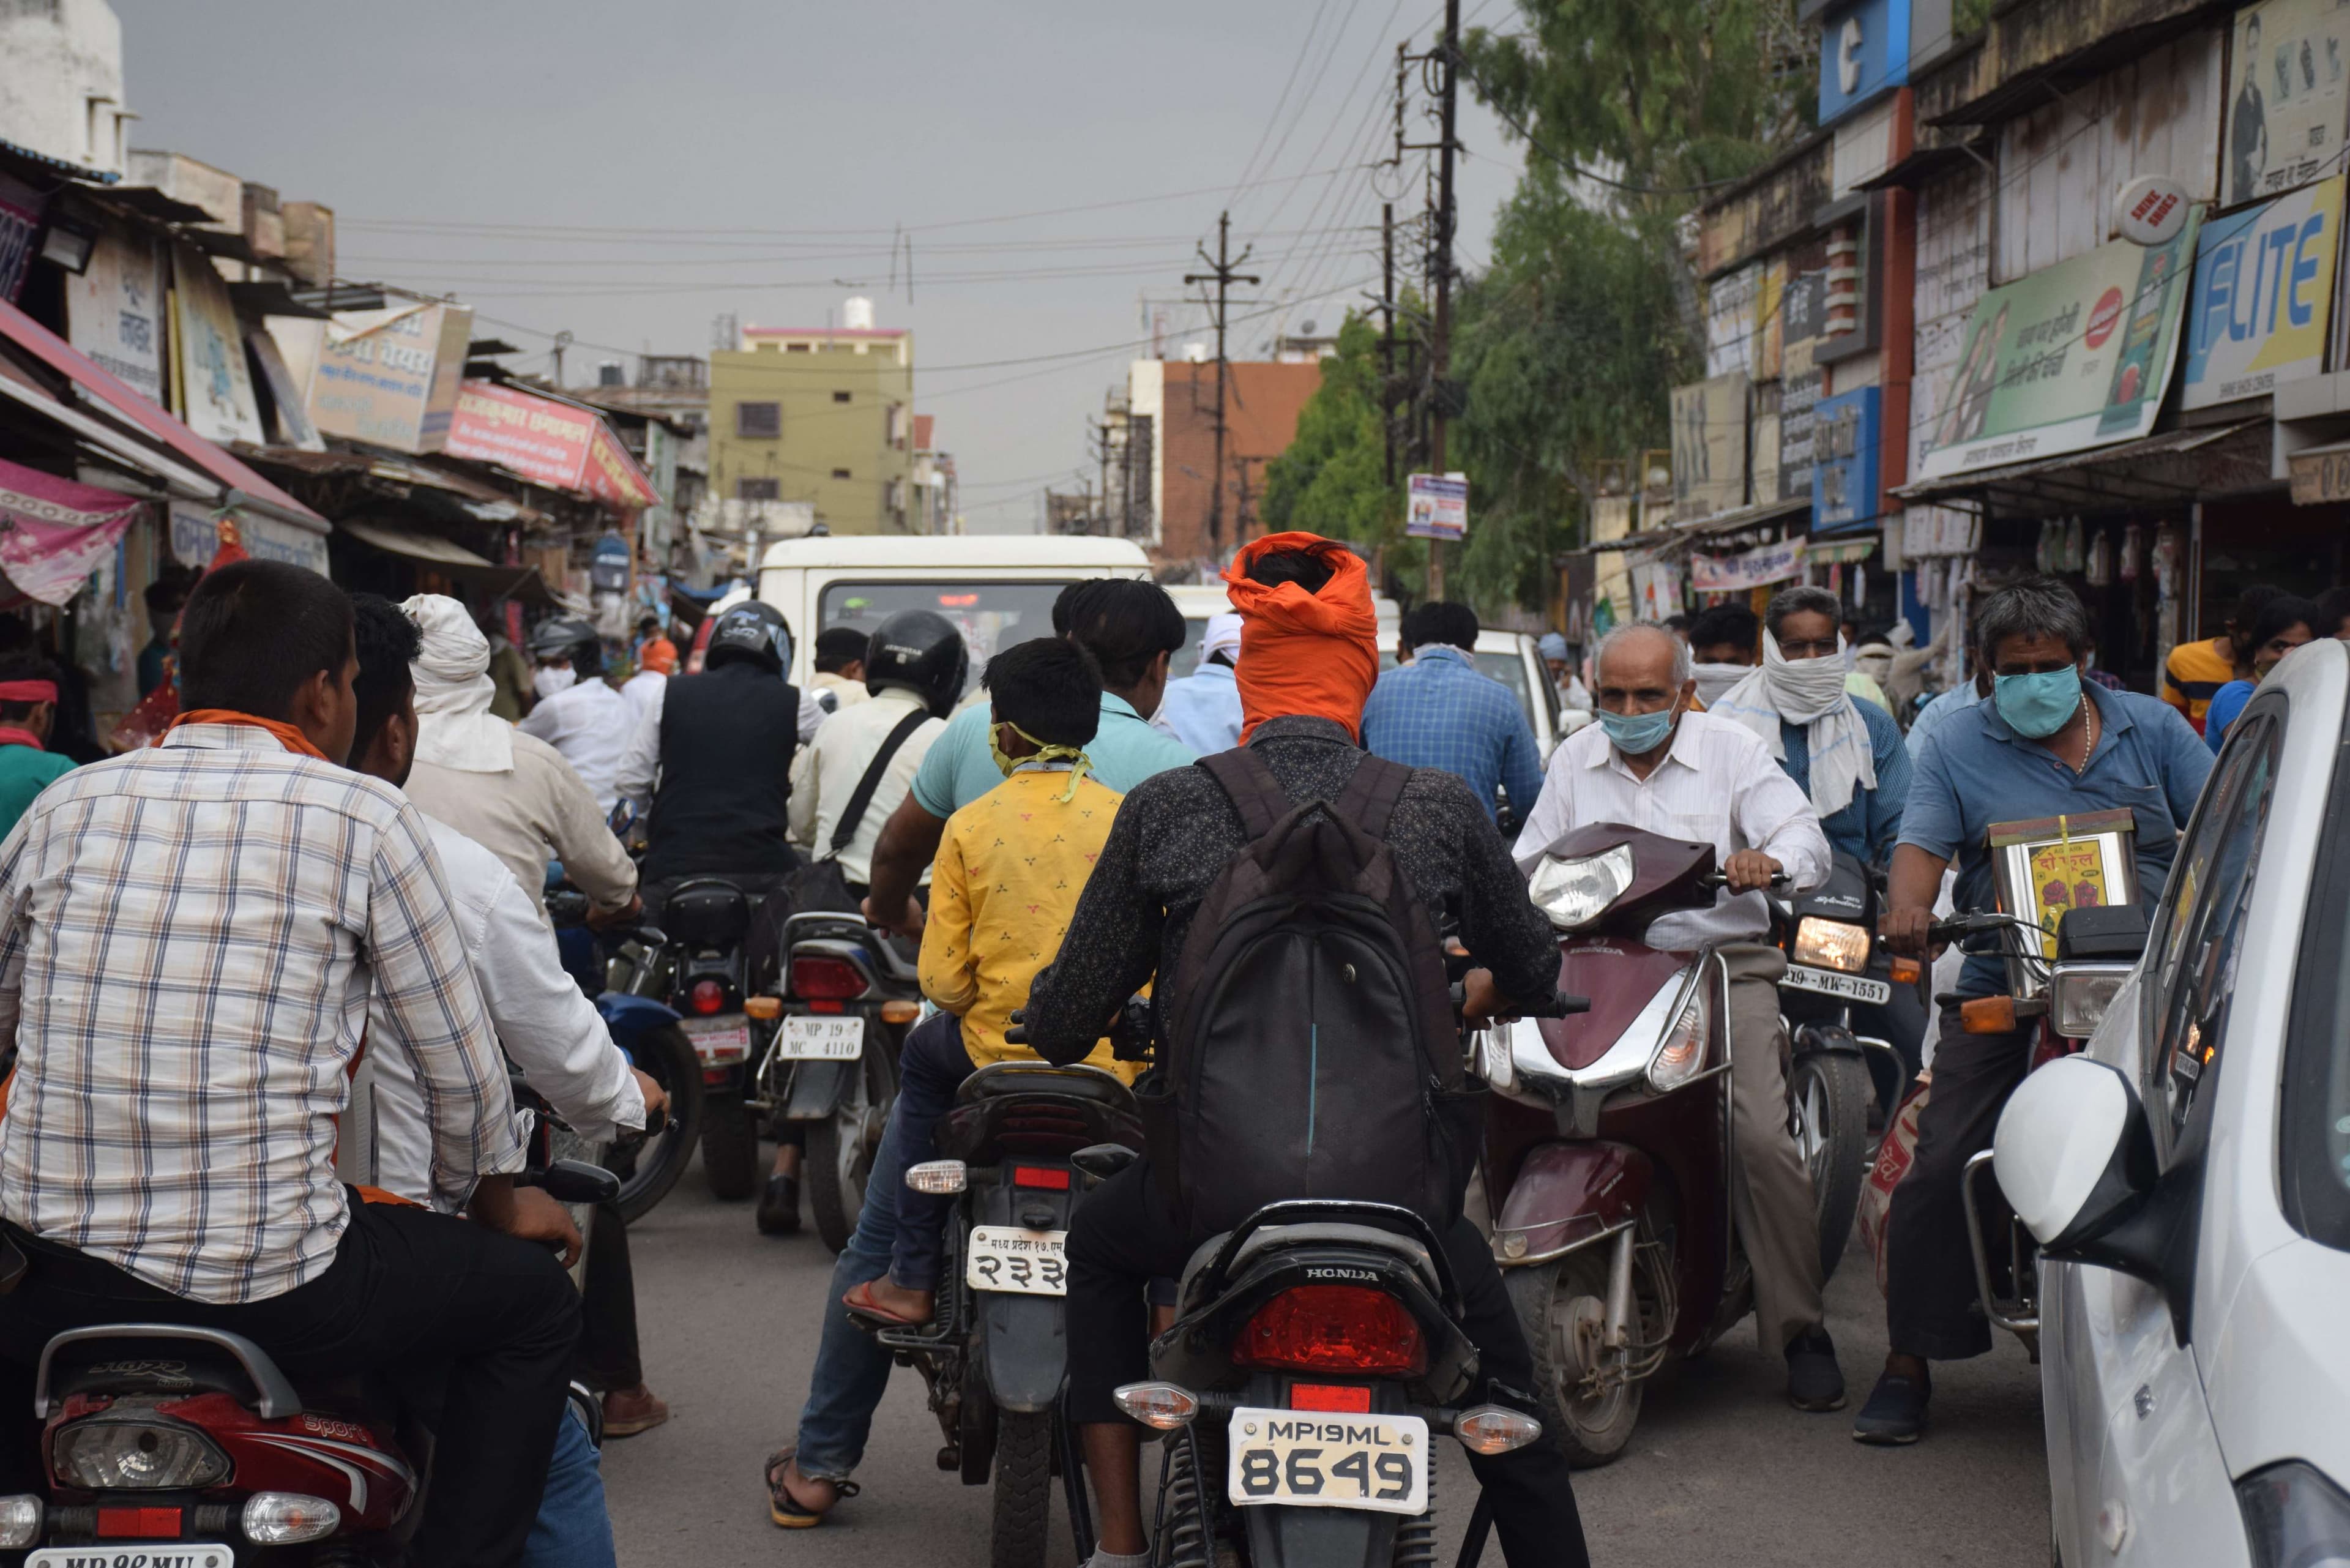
1307 329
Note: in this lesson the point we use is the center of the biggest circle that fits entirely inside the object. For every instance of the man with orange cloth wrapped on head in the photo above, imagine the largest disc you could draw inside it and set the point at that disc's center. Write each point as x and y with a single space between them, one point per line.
1309 656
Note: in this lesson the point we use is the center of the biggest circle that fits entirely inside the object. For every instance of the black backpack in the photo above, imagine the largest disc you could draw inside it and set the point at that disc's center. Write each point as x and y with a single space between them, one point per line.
1308 1046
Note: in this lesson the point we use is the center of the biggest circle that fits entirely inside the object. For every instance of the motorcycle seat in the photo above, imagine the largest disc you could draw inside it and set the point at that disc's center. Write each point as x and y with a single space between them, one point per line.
1317 1233
1001 1078
706 912
1037 1109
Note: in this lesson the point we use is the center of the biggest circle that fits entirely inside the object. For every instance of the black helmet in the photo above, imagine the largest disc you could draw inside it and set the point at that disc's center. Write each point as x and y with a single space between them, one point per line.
567 637
921 652
752 631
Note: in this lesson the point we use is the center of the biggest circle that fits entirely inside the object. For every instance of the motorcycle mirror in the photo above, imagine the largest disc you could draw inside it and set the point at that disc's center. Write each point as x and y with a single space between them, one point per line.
574 1181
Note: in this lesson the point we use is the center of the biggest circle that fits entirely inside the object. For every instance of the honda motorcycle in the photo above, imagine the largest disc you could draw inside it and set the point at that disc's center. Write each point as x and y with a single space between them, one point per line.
1609 1153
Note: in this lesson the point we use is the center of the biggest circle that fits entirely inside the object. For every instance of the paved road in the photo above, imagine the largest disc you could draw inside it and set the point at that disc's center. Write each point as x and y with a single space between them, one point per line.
1721 1471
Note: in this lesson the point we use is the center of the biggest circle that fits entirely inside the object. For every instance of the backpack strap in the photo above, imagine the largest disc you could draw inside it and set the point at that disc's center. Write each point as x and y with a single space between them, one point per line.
1255 794
854 812
1370 796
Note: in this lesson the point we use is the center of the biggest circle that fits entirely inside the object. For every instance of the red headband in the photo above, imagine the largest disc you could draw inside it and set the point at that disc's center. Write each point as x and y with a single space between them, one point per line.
28 690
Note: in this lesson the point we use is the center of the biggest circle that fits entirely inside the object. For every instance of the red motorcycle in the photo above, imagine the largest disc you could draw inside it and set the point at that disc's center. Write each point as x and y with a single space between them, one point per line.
1609 1150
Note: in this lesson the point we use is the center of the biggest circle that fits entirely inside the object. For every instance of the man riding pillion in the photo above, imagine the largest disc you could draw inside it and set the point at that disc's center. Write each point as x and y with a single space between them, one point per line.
1309 657
2046 744
1651 763
167 1152
578 712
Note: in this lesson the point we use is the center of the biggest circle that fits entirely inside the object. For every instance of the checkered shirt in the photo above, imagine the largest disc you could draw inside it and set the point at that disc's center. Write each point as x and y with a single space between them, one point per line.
1438 711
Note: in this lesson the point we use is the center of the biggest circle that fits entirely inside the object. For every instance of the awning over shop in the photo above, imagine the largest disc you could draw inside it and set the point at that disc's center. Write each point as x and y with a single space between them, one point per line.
56 531
2169 469
395 474
451 559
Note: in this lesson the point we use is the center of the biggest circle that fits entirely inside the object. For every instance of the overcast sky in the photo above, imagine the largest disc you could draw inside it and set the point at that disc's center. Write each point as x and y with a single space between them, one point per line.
629 171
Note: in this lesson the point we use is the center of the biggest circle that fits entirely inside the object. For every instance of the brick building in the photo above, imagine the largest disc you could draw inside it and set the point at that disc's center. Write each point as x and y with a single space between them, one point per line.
1162 477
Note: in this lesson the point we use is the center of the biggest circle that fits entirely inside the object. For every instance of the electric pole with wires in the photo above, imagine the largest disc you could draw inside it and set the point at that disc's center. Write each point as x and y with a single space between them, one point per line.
1224 277
1440 337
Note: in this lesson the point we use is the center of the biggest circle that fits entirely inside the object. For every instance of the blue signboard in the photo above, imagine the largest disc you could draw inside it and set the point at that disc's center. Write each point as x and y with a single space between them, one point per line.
608 571
1864 51
1844 465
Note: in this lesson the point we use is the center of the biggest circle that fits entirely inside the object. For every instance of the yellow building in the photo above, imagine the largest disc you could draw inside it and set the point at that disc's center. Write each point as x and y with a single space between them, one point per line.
818 414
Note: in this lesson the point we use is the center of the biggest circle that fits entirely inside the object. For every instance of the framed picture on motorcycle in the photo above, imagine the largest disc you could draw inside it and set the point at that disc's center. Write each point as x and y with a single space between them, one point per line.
2050 865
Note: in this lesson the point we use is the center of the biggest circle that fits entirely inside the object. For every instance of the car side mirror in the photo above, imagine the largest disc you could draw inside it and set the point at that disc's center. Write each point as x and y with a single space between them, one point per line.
2075 1157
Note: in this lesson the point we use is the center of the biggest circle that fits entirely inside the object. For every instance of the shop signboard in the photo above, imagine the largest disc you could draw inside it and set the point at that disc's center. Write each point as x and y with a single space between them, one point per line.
1753 568
2074 357
1804 308
1436 506
2283 120
548 442
1865 47
2257 315
1843 470
215 384
114 312
1710 446
389 377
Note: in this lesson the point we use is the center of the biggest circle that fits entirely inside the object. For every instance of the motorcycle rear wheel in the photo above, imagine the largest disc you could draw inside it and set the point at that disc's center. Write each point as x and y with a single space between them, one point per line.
1551 1299
841 1147
1024 1488
1827 1097
667 1057
730 1144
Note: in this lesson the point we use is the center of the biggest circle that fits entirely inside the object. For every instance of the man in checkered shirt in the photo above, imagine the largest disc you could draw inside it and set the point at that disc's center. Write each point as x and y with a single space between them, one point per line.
1437 712
189 937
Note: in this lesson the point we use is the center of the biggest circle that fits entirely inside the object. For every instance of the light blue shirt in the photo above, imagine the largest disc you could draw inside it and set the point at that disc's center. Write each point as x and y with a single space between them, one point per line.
1938 711
1203 709
1869 824
959 767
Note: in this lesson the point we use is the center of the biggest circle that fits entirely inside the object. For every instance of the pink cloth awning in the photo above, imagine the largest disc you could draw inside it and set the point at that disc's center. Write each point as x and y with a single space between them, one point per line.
54 532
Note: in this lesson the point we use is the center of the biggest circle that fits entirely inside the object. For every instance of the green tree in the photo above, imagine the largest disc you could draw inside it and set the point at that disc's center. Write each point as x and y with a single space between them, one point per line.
1332 478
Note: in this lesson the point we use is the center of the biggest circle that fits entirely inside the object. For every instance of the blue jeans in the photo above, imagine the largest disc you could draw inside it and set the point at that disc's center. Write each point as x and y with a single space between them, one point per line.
930 1070
573 1529
852 1370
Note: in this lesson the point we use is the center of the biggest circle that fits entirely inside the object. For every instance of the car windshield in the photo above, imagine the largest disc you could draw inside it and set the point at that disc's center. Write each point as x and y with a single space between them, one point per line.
990 616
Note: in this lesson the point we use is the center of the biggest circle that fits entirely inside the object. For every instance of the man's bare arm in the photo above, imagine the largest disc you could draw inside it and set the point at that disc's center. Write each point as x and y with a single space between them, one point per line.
909 841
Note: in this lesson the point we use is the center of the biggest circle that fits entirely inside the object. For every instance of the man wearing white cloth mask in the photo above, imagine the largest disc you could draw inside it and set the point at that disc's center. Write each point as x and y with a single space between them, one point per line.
1845 753
507 790
1653 763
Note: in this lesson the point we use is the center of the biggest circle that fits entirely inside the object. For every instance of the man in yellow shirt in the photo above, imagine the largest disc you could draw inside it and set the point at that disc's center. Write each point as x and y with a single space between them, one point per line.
2195 671
1010 868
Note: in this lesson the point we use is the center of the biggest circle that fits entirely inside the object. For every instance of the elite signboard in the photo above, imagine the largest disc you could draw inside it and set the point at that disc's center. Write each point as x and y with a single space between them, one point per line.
2257 314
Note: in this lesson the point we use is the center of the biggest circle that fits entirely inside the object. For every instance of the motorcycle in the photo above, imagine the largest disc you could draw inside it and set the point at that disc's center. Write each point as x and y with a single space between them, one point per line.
168 1446
1609 1153
1024 1144
848 995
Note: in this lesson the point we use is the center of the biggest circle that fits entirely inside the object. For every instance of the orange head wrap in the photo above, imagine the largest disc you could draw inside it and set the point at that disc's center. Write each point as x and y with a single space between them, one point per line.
1315 653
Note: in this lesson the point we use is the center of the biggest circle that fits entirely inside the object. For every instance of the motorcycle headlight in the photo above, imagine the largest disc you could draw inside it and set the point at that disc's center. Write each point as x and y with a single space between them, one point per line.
1832 944
2296 1517
1576 892
108 1454
1682 1051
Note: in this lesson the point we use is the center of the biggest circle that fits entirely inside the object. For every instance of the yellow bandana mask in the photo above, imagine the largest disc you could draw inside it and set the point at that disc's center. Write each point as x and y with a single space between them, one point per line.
1009 765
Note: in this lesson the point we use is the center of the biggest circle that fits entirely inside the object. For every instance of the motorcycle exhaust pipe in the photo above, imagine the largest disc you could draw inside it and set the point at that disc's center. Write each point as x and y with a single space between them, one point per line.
1617 1330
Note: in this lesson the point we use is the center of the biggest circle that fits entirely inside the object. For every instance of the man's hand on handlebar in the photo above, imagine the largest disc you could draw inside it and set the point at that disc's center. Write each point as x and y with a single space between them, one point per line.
1910 932
1480 1002
906 922
655 1099
1750 870
626 914
525 1213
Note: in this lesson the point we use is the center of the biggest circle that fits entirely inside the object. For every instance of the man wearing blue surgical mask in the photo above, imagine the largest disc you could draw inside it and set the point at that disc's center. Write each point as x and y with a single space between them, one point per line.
2046 744
1654 763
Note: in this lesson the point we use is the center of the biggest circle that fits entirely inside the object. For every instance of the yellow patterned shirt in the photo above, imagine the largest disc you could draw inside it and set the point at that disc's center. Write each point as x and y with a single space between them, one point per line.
1009 871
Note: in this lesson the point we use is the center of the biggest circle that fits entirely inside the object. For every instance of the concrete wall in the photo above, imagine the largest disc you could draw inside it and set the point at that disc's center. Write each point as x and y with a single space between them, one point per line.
823 435
61 80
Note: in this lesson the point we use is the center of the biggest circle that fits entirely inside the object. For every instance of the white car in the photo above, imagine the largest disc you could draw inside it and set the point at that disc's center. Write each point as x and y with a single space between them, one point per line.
2188 1178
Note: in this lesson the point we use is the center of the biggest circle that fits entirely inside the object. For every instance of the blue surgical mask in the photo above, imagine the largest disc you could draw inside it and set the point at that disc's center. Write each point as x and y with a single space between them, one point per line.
1637 734
2038 705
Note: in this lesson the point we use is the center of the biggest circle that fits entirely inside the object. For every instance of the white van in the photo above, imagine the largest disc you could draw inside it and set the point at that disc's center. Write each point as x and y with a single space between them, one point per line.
997 588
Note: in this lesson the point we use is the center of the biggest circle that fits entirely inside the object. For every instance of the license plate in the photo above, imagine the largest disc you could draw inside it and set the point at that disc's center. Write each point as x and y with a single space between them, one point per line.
158 1554
719 1041
1020 1263
1828 982
840 1038
1309 1458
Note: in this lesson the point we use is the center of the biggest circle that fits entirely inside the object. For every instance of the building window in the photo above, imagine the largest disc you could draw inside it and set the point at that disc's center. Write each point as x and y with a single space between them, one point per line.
759 421
840 397
800 348
758 490
842 473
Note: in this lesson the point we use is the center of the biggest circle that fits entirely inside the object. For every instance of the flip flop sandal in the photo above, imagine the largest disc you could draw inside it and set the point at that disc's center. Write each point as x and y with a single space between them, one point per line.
870 1311
781 1507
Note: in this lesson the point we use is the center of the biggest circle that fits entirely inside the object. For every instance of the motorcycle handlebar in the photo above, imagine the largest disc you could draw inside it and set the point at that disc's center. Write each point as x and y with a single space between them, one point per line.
1722 879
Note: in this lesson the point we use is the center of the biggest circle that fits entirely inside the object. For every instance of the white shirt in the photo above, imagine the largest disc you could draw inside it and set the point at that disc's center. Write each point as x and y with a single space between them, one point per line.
643 689
592 725
1717 784
826 773
546 1024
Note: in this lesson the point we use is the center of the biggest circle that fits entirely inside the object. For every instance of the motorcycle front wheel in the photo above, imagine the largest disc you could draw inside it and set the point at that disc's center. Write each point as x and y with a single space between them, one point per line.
841 1147
652 1168
1827 1098
1562 1306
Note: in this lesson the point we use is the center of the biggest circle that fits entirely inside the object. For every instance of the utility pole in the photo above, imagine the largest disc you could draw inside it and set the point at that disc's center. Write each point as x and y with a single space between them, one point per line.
1386 334
562 342
1224 277
1439 348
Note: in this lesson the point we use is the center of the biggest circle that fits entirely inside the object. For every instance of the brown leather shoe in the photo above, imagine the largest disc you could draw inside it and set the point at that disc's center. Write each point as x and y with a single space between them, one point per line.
627 1411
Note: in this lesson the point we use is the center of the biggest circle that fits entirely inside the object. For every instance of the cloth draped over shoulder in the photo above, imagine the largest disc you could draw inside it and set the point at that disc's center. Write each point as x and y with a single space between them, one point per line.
1305 654
1810 693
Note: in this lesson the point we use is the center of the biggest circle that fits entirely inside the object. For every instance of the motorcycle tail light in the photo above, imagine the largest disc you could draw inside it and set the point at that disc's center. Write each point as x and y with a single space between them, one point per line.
1347 1398
708 996
1832 944
110 1455
1495 1429
1044 1177
821 978
20 1522
288 1518
766 1009
138 1525
1334 1328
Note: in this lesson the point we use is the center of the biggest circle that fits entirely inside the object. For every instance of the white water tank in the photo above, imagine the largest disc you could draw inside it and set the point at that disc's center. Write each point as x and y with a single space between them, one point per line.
1197 353
857 315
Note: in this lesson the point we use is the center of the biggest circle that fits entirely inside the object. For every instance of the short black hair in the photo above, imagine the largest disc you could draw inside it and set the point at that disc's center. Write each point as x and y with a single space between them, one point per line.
1733 624
2032 606
838 647
2284 612
1440 621
1676 622
1050 687
2334 605
2251 602
1125 623
1307 569
388 643
26 664
166 594
254 631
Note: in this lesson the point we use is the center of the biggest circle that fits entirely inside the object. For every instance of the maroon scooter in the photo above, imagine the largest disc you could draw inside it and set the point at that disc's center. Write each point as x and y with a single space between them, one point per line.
1609 1150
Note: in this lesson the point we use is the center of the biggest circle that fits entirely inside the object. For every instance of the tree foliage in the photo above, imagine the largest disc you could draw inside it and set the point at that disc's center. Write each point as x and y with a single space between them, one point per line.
1332 479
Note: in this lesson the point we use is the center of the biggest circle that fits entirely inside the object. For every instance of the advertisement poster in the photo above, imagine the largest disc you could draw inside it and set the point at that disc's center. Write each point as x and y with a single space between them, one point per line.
389 377
548 442
1710 446
2258 314
2283 115
215 384
1436 506
1749 568
2075 355
114 313
1843 472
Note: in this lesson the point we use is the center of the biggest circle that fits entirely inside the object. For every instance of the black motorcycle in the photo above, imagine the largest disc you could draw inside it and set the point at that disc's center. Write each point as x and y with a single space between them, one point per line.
1024 1143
